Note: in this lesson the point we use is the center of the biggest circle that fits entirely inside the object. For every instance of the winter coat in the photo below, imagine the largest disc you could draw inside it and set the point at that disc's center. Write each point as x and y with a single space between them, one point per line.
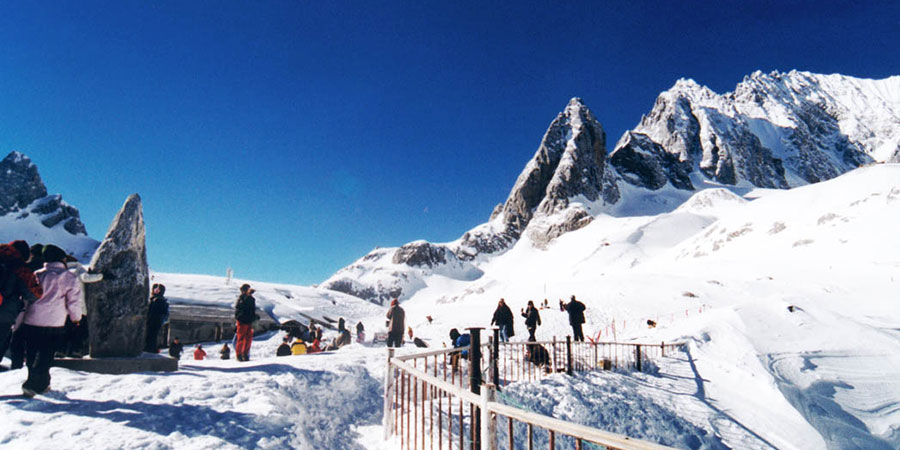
176 349
463 341
245 309
360 328
537 355
199 354
159 310
14 294
576 312
18 285
397 316
298 348
341 324
532 317
503 316
225 353
283 350
62 294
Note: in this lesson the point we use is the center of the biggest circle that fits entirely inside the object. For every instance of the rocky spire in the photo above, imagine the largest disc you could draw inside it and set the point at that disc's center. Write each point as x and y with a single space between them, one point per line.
570 162
20 183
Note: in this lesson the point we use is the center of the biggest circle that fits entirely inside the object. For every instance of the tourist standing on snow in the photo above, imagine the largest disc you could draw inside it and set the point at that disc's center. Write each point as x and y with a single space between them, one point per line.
225 352
199 353
341 324
396 324
245 315
532 319
360 332
176 348
576 317
157 315
15 293
34 262
503 318
44 321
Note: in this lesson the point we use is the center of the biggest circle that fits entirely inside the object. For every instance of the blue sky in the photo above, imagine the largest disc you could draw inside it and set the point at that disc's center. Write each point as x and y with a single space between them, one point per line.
286 139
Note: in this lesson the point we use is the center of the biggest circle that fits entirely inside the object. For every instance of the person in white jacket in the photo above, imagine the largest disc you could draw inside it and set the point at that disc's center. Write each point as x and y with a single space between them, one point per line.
44 320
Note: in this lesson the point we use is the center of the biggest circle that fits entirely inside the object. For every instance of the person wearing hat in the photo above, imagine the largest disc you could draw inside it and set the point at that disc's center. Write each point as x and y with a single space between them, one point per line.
396 324
44 320
244 315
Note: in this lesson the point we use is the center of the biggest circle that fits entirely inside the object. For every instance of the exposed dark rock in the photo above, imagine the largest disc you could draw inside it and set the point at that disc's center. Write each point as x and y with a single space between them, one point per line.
421 253
118 305
21 188
20 183
646 164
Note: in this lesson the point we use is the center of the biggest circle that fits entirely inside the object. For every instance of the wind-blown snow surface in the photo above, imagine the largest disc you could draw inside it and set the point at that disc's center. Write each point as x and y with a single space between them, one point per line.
824 373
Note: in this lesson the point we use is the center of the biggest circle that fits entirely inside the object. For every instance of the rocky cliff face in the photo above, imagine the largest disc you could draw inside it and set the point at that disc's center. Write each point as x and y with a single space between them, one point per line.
775 130
22 194
567 175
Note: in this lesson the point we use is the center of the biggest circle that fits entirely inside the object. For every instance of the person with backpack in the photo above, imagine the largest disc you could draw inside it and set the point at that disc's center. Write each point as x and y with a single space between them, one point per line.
176 348
503 318
459 340
157 315
576 317
244 315
532 319
396 324
44 320
15 293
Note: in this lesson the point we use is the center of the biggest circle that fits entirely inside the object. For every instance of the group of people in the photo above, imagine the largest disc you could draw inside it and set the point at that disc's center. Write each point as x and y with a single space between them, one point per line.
503 318
309 339
42 309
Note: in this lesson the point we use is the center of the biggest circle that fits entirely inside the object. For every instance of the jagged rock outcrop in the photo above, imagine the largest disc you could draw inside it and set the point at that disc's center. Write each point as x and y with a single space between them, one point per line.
20 183
22 193
420 254
117 305
775 130
569 164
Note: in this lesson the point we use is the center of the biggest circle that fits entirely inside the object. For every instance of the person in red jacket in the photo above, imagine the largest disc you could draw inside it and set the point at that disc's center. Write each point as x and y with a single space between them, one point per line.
199 353
244 316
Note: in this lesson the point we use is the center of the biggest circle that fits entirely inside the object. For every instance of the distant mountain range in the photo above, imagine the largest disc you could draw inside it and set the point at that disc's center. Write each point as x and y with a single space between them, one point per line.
777 130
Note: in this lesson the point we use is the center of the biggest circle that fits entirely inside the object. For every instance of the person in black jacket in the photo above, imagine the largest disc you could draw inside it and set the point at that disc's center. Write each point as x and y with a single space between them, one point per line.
503 318
244 315
15 293
285 348
532 319
576 317
176 348
157 315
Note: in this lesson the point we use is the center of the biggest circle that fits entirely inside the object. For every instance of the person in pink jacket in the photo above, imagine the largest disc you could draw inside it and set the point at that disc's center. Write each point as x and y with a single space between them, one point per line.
44 320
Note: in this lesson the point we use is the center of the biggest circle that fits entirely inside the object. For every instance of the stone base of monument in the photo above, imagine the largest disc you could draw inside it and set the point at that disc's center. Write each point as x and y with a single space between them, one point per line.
147 362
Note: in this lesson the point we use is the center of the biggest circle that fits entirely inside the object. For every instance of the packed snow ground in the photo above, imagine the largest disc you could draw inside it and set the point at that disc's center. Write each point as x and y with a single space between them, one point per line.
824 373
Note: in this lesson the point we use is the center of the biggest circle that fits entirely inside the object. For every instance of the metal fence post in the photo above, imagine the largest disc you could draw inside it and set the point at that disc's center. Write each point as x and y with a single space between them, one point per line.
637 356
475 381
495 358
388 420
569 370
488 423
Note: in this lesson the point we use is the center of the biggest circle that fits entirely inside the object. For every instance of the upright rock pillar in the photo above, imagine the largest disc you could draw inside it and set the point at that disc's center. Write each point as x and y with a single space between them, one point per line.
117 306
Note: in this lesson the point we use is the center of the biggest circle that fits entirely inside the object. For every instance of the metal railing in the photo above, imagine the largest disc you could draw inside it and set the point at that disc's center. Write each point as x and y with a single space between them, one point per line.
439 399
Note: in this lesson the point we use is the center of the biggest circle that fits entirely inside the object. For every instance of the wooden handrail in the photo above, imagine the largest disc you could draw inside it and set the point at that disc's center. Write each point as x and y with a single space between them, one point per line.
437 382
574 430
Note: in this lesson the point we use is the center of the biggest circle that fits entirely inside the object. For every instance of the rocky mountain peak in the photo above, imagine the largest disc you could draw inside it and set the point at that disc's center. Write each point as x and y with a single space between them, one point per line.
20 183
22 192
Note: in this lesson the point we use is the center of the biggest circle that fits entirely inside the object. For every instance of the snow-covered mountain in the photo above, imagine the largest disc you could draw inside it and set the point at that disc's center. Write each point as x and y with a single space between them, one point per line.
777 130
28 212
774 130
